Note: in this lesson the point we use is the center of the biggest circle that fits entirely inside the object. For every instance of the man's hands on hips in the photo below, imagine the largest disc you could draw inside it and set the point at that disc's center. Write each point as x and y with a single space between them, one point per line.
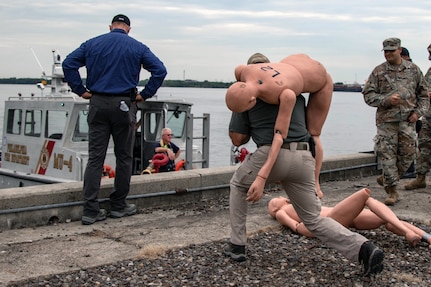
86 95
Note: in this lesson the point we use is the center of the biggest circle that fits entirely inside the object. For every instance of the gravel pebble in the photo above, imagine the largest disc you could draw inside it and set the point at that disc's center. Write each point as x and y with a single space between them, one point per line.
276 257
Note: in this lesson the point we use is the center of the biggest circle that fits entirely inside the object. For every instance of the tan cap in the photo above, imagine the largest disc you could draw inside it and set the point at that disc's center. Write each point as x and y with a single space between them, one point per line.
257 58
391 44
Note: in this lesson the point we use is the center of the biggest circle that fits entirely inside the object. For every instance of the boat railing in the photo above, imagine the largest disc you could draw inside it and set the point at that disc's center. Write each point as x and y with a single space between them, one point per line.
42 98
204 137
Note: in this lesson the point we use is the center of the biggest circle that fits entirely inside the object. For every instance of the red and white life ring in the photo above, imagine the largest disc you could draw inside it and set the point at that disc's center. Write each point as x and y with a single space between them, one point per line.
108 171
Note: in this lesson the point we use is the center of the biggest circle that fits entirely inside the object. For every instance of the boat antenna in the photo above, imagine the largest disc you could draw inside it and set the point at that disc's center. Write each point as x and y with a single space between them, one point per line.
37 60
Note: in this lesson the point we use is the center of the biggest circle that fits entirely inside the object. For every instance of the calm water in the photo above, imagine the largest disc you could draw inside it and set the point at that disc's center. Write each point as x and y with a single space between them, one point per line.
349 128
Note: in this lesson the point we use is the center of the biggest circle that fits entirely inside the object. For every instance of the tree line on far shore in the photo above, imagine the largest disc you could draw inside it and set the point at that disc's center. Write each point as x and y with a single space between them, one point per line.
166 83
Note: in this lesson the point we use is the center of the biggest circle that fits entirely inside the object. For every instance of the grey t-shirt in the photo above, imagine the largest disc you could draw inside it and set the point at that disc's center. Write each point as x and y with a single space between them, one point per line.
260 120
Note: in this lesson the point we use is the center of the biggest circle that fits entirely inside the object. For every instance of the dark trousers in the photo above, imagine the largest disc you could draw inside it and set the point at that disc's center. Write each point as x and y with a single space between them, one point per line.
105 119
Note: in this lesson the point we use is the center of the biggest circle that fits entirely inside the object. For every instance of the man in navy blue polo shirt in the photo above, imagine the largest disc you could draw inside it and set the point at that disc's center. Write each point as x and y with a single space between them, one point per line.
113 62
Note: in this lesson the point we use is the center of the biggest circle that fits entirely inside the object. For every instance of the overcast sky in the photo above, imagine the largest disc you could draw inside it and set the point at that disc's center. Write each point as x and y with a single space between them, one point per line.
206 40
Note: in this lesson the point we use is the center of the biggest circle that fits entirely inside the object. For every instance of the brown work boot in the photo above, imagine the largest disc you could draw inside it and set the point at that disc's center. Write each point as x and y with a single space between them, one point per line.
418 182
380 180
393 195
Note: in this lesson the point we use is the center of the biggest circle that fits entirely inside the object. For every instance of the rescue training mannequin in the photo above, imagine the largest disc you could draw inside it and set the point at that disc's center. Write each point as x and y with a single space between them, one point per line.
280 83
351 213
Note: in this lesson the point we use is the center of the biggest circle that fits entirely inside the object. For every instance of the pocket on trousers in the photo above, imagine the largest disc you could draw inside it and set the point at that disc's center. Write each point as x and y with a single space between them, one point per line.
92 111
308 160
125 117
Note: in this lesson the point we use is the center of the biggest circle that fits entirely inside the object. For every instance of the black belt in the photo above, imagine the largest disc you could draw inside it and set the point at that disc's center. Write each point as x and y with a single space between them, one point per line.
293 146
124 95
130 94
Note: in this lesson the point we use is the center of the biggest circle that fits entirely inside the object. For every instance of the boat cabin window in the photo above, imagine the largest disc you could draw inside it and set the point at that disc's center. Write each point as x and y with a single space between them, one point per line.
176 122
153 124
33 123
138 120
14 120
55 124
81 128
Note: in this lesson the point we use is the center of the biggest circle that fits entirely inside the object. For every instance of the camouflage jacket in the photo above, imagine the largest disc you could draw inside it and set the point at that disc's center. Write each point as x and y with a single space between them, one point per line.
428 80
407 80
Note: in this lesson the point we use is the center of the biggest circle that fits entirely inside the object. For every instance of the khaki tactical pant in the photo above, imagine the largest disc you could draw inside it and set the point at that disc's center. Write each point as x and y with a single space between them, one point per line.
295 170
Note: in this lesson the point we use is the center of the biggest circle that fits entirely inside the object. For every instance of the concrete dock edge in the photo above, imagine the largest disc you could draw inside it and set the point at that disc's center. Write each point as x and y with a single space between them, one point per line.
52 203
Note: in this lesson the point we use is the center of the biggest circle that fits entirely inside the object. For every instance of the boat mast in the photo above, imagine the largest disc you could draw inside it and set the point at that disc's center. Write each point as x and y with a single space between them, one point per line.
58 85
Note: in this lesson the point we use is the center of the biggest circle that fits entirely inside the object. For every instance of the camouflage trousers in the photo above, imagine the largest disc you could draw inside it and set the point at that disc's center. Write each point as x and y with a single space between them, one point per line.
424 154
395 146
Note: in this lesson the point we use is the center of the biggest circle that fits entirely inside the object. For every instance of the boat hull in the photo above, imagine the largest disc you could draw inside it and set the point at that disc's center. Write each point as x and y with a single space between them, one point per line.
11 179
45 138
341 87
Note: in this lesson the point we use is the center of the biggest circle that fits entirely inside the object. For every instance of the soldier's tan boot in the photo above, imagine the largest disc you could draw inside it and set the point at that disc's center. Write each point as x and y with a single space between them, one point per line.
392 195
418 182
380 180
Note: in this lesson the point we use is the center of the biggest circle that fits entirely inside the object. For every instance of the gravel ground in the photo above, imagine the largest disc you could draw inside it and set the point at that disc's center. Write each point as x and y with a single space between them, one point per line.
276 257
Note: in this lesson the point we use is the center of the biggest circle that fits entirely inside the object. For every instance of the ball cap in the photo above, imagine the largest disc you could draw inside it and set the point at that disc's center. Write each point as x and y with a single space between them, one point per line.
405 52
391 44
121 18
257 58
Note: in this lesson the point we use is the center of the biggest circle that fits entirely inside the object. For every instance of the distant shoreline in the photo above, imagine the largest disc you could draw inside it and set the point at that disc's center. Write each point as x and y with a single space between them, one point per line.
166 83
177 84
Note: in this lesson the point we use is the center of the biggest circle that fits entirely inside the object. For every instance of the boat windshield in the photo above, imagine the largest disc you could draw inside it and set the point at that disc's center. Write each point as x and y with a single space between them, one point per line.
175 122
153 124
55 123
81 128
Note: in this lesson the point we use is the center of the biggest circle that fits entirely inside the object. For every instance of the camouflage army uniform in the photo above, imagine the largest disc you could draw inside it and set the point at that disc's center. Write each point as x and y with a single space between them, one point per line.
395 142
423 163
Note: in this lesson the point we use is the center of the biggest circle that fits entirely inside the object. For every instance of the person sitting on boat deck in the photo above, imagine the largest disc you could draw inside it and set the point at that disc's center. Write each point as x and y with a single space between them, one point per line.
113 62
351 213
167 147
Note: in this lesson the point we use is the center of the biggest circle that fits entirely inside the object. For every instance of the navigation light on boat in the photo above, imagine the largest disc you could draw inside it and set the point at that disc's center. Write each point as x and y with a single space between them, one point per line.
62 104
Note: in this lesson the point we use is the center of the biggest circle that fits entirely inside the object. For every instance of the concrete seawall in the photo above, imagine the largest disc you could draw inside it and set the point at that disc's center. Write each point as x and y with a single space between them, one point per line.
47 204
